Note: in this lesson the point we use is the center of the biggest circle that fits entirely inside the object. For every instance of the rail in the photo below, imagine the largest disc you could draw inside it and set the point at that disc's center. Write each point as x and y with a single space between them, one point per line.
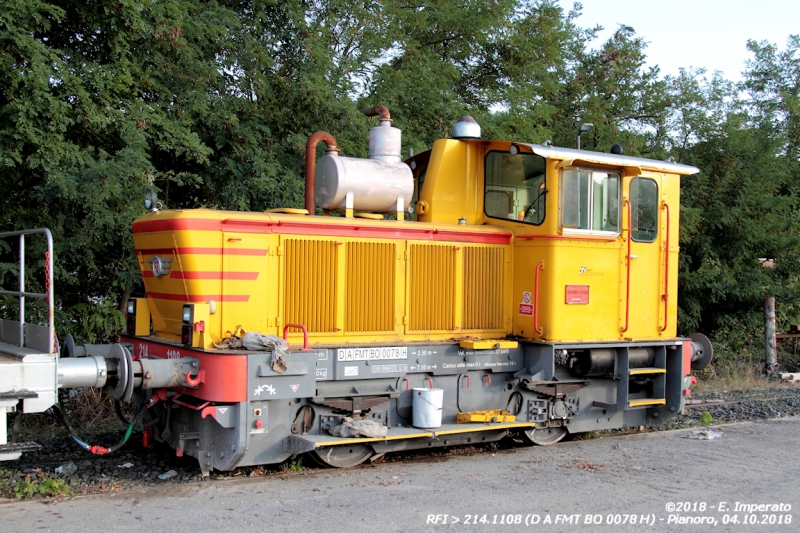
21 294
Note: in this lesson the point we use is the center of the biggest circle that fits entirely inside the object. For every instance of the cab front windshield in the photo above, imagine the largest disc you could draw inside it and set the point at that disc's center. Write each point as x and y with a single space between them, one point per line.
515 187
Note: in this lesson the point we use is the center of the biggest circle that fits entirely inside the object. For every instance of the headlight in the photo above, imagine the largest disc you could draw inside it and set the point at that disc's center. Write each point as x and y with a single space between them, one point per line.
188 314
132 307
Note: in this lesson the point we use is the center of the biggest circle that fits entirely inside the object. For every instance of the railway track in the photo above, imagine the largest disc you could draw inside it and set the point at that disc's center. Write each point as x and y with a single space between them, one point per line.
715 403
136 467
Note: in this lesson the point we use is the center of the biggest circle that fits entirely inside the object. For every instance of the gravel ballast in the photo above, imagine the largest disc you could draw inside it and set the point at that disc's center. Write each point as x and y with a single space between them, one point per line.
135 467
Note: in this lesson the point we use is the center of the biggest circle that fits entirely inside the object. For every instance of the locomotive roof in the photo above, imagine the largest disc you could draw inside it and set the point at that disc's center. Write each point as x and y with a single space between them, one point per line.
570 154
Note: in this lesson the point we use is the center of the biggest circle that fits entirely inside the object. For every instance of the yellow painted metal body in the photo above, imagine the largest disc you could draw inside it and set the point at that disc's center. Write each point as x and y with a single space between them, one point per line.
490 344
361 280
485 416
262 271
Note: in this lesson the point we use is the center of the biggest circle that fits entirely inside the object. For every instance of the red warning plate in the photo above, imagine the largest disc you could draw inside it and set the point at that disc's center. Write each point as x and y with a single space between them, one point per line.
526 309
577 294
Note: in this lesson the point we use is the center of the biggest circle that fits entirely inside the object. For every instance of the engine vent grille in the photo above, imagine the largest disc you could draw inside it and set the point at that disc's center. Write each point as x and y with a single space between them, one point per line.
310 297
369 296
432 286
483 288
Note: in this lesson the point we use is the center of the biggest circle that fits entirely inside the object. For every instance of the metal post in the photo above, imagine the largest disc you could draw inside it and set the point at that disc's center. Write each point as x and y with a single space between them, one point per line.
50 291
770 341
586 126
22 290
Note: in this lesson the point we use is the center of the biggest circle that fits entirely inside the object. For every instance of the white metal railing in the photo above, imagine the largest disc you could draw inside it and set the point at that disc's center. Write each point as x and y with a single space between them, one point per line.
21 294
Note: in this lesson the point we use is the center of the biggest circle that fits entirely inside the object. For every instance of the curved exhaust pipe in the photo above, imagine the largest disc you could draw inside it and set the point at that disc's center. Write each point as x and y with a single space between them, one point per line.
311 163
377 111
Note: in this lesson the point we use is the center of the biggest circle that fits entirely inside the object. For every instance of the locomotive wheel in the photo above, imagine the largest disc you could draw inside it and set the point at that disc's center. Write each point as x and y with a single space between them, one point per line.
342 456
543 436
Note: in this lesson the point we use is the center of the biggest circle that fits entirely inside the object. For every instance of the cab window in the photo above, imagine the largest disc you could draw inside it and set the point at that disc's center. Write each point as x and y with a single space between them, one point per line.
644 209
515 187
590 201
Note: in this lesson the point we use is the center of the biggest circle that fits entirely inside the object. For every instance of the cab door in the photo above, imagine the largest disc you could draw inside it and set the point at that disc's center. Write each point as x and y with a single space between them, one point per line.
643 259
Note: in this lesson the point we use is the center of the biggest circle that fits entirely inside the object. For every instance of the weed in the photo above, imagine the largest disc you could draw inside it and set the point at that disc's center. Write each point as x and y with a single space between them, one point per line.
296 465
706 419
25 488
53 487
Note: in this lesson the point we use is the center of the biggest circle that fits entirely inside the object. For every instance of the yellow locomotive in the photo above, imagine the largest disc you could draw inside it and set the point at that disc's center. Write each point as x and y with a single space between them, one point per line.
536 290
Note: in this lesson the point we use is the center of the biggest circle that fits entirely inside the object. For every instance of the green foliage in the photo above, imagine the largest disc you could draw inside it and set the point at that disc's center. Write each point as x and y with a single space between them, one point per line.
740 240
211 104
40 486
706 419
296 465
25 489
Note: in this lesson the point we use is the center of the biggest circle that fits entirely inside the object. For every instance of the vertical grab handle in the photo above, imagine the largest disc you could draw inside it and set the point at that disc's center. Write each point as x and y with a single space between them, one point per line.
298 326
665 296
628 268
536 327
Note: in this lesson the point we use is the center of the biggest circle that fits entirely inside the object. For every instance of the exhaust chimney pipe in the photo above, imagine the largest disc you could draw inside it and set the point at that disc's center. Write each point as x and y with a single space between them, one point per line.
378 111
311 163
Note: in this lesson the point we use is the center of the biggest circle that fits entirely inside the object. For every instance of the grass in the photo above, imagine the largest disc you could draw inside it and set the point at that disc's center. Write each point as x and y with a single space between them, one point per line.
36 485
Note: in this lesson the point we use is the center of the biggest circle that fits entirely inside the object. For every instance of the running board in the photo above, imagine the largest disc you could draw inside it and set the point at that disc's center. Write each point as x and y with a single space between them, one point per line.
646 402
632 404
307 443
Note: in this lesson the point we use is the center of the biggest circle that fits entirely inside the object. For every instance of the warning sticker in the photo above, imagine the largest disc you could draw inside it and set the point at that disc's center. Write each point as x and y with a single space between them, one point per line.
351 371
384 369
577 294
526 309
526 297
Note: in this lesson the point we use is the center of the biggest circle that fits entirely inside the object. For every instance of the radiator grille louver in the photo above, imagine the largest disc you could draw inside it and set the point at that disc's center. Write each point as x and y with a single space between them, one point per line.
483 288
310 297
432 287
369 299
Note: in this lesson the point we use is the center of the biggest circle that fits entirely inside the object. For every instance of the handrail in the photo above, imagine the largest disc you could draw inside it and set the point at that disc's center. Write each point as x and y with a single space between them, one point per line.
297 326
536 327
21 294
665 297
628 268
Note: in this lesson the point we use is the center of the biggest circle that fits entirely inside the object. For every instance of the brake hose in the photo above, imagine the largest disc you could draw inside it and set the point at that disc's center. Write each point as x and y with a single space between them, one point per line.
102 450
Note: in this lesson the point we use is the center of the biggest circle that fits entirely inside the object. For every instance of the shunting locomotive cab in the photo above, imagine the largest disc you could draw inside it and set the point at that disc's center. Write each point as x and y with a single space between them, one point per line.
536 290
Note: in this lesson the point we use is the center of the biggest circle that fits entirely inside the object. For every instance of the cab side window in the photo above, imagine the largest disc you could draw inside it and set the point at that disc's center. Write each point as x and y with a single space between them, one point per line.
590 201
644 209
515 187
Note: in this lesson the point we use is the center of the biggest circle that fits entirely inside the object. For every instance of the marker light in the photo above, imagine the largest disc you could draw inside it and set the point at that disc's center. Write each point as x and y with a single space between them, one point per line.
186 335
